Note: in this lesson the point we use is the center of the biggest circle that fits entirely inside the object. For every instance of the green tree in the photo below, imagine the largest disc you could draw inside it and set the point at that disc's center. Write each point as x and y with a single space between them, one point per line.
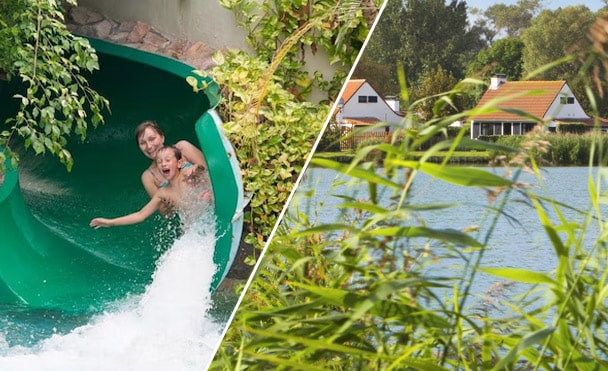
382 74
430 85
513 19
553 35
434 34
421 35
504 56
39 52
383 50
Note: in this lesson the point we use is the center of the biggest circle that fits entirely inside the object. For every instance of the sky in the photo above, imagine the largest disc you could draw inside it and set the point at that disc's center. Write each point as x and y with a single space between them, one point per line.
593 5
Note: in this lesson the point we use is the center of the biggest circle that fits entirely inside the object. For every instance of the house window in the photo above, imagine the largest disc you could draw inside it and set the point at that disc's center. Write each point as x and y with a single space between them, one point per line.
368 98
566 100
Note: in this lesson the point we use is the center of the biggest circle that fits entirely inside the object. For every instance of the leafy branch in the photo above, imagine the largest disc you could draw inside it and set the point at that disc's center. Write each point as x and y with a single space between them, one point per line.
48 65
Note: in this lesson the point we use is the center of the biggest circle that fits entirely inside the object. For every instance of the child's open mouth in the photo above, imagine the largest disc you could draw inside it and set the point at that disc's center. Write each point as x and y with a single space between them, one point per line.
165 172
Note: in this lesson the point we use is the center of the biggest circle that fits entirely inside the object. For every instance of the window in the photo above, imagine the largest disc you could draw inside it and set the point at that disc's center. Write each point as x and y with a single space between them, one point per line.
368 99
566 100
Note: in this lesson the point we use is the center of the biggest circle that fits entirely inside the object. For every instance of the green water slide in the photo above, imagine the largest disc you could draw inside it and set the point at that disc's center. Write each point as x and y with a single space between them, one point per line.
49 256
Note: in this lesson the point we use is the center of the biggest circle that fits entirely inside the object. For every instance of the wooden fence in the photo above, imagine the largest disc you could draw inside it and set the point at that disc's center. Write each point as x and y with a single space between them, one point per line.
352 137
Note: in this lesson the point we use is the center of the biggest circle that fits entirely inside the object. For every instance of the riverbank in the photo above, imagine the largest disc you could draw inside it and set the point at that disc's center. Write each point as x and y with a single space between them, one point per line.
457 157
548 148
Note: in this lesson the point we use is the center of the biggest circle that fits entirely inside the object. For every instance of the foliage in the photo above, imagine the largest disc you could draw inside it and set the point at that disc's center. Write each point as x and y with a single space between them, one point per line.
330 139
272 143
382 75
553 35
434 34
503 56
430 85
421 35
561 149
267 119
383 50
562 35
363 291
38 51
512 19
573 127
338 28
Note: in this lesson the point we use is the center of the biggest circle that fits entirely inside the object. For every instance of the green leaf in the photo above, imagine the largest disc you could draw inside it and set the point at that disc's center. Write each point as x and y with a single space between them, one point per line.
525 342
520 275
356 172
447 235
463 176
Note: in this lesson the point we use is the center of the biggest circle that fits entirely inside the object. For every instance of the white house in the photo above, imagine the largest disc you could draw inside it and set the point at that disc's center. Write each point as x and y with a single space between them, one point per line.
361 105
551 102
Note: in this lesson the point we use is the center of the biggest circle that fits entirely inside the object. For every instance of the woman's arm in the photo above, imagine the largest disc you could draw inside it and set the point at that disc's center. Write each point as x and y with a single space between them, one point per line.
191 153
133 218
147 180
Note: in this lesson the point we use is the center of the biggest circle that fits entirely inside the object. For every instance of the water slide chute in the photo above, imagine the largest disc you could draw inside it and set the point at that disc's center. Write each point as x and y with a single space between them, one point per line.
49 256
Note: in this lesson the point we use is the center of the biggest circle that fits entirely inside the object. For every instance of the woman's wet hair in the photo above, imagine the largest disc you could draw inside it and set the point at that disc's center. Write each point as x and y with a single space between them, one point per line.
139 130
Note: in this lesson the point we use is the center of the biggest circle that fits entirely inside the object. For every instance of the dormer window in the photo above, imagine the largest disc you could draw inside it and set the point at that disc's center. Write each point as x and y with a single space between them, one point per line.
368 98
566 100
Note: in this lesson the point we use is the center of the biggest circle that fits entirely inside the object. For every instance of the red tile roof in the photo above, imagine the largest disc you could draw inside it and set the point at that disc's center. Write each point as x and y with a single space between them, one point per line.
351 88
533 97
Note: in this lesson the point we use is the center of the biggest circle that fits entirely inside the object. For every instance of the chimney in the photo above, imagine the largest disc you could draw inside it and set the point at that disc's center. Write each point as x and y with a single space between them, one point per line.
392 102
497 80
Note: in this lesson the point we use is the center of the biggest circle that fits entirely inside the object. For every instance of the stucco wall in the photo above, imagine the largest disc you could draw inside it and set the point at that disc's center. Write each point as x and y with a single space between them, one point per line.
202 20
379 110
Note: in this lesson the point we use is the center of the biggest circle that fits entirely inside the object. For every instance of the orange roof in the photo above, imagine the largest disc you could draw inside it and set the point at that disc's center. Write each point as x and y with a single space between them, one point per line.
533 97
361 121
351 88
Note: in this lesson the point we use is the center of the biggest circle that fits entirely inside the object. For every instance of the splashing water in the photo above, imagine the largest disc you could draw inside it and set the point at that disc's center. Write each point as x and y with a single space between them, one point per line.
168 327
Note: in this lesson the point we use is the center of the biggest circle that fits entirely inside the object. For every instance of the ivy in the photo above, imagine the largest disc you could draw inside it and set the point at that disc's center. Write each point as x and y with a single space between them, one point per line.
38 50
265 109
272 143
338 29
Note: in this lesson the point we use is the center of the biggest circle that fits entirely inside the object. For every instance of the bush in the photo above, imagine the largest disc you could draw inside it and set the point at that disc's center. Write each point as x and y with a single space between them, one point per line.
330 140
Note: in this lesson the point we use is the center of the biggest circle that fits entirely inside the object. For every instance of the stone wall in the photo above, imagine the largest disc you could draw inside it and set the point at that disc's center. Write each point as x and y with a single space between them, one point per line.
136 34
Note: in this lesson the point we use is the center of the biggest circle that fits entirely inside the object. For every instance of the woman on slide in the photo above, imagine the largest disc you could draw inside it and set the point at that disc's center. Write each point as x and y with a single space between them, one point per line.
150 139
184 192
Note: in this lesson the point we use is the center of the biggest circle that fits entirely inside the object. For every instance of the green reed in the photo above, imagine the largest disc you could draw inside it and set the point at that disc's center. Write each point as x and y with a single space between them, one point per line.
360 293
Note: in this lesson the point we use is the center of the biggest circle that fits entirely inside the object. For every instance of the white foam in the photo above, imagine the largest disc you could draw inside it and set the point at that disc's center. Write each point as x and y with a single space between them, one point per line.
166 328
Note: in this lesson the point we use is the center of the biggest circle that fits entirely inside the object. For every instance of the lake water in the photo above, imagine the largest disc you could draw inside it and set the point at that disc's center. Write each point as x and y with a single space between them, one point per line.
518 240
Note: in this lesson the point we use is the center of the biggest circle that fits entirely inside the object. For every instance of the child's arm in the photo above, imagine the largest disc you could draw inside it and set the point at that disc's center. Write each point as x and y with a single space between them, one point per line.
133 218
191 153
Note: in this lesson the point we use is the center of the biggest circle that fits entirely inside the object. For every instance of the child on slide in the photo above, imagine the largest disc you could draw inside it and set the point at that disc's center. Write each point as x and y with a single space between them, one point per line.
181 192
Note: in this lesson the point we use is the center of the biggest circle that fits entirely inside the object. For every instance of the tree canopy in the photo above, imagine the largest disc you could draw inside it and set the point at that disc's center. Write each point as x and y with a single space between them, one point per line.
516 39
512 19
421 35
504 56
553 35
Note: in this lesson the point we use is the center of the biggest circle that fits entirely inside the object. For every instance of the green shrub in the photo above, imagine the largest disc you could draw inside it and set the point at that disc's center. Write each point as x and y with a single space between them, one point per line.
572 128
330 140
